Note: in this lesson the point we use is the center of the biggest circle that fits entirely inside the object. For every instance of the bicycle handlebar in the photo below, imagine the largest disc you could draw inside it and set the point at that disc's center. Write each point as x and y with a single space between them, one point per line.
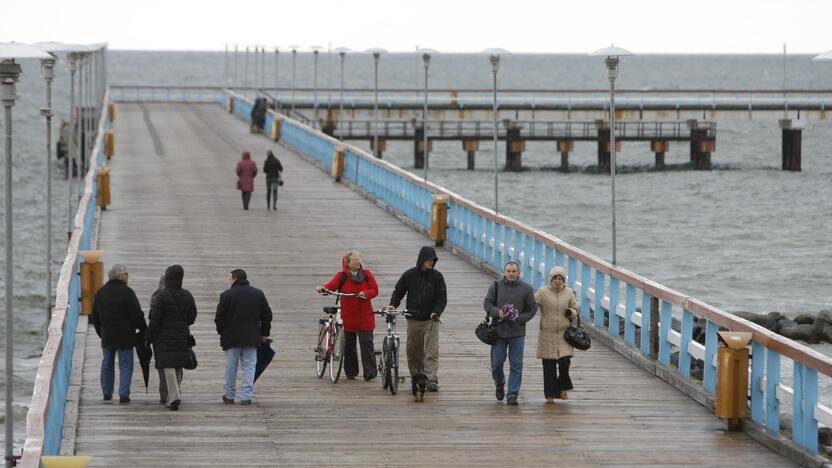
405 312
331 310
327 292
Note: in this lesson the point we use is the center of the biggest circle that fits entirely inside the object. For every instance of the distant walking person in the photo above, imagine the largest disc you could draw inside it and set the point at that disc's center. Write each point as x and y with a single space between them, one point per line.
273 170
172 312
243 320
510 301
116 315
246 171
426 299
357 313
558 308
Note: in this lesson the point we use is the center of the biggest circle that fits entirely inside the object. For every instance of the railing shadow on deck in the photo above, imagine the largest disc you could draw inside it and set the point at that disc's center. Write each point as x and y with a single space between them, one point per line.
45 418
490 239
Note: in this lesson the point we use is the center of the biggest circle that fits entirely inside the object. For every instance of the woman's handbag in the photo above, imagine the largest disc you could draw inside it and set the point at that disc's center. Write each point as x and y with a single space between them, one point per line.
191 354
576 336
486 331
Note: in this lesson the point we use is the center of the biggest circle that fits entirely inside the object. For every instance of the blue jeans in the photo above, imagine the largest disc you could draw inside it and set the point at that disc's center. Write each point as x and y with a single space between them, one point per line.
513 347
108 371
248 357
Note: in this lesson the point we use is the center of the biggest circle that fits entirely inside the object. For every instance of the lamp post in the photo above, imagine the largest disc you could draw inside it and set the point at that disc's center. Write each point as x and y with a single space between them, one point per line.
426 53
245 69
612 55
9 72
376 58
315 51
72 60
294 50
236 47
276 56
342 53
494 59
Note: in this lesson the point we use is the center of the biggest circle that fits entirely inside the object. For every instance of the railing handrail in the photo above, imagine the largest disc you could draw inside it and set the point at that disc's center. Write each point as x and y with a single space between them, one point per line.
782 345
36 417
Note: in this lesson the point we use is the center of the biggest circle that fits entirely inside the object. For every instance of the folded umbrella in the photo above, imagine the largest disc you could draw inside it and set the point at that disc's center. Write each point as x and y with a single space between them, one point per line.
144 353
265 354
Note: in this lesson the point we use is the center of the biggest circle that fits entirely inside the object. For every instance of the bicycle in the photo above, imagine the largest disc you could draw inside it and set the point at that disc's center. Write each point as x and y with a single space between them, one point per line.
388 364
330 344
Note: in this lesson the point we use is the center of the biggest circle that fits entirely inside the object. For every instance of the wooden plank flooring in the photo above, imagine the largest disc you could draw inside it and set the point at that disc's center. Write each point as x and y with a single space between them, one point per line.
174 201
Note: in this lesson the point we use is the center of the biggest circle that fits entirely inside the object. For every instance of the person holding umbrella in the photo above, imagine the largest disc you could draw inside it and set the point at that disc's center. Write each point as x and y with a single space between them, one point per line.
116 315
244 321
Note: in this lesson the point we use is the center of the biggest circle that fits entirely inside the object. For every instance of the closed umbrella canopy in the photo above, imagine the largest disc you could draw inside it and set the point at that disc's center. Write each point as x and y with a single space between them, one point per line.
265 354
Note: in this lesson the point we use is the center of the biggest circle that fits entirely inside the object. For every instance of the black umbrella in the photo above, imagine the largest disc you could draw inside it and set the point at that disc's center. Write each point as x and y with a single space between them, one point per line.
265 354
144 353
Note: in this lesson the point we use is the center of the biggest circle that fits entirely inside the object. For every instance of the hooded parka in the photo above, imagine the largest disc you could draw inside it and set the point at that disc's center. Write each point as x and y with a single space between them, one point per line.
553 304
356 313
425 289
246 171
172 311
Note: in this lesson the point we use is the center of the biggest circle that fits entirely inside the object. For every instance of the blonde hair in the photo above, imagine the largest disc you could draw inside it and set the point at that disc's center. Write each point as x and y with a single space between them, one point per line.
350 255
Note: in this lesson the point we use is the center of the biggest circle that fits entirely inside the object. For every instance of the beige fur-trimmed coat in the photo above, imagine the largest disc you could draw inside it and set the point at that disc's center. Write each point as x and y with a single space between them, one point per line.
552 305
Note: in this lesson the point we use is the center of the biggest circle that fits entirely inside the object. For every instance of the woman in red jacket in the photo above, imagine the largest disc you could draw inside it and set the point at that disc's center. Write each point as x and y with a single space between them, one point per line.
246 171
356 313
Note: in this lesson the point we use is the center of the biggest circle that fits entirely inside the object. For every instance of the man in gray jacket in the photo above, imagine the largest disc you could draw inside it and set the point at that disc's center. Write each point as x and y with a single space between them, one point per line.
510 303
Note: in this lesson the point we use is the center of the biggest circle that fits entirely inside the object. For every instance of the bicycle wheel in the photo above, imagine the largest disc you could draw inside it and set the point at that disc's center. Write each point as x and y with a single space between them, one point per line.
320 350
384 366
394 367
336 357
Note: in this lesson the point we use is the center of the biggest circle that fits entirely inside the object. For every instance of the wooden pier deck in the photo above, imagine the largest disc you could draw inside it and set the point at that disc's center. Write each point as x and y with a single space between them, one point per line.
174 201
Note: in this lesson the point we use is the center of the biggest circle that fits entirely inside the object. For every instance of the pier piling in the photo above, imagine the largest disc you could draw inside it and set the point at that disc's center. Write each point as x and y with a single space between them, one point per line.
471 147
660 148
564 148
792 138
514 148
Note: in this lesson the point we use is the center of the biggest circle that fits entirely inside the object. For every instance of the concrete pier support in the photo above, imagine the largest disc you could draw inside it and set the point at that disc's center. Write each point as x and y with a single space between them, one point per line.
564 148
792 141
514 149
604 145
701 146
660 148
378 152
471 147
328 124
418 148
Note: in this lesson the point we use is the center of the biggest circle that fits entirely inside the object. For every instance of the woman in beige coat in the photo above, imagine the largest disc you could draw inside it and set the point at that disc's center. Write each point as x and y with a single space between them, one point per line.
558 308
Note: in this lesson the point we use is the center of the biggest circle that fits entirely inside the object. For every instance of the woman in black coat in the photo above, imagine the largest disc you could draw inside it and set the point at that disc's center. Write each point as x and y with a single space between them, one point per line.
172 311
273 169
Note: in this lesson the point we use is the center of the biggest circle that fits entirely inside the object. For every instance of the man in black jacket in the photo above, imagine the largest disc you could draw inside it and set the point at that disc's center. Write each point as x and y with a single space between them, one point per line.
116 315
426 300
244 320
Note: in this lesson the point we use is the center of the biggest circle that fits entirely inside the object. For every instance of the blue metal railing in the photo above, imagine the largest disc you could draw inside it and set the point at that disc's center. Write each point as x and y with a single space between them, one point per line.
606 292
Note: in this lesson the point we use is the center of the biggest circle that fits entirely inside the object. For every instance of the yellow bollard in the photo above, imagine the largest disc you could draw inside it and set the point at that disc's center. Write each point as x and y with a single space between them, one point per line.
732 377
276 125
338 164
103 187
109 144
77 461
92 277
111 111
439 219
230 105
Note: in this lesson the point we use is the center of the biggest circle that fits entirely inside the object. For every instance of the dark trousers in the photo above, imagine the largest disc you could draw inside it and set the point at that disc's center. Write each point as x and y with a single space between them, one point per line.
246 199
556 376
368 358
271 191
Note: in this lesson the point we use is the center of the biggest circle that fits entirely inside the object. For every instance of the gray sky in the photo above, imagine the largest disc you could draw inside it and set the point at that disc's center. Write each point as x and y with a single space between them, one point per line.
553 26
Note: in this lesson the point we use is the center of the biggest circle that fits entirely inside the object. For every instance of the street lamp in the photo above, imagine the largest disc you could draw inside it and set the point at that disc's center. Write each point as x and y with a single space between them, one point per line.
294 50
342 52
236 54
245 69
315 50
376 51
276 56
494 58
9 72
426 52
612 55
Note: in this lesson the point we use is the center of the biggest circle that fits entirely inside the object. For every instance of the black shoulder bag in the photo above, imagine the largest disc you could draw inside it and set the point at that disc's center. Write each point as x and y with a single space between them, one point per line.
486 331
576 336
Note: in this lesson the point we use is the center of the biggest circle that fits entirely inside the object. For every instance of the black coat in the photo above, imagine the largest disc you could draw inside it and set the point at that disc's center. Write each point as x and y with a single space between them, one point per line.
172 311
117 314
272 167
243 316
425 289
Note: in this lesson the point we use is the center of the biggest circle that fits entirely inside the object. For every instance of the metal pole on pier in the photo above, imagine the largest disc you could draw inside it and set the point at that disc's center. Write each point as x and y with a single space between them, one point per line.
72 59
315 51
612 55
276 56
48 72
376 58
494 59
236 84
342 52
294 58
426 59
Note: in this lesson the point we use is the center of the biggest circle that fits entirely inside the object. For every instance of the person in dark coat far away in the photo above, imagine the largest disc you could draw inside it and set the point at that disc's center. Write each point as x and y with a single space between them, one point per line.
426 299
172 311
116 315
357 313
246 172
243 320
273 169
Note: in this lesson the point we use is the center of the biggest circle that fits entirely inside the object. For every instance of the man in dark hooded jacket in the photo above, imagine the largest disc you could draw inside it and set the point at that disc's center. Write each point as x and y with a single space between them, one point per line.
116 315
243 320
426 300
172 312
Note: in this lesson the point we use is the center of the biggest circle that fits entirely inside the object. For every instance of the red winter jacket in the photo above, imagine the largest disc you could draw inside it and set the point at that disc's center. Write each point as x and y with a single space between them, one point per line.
246 170
356 313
